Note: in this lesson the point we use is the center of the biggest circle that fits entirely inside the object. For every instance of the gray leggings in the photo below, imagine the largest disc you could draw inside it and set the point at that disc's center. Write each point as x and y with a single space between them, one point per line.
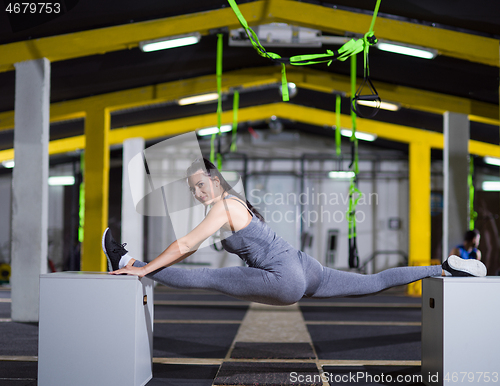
288 277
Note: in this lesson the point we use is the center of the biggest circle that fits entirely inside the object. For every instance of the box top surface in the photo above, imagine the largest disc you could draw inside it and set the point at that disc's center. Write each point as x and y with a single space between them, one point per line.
453 279
87 275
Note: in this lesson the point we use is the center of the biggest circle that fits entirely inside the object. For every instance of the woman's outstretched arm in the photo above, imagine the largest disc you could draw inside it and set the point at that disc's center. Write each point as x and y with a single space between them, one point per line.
183 247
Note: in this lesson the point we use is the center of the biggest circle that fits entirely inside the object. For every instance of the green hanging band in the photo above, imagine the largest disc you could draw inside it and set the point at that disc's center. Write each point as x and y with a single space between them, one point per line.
337 125
354 162
470 179
352 47
236 104
368 40
219 91
374 17
284 84
353 92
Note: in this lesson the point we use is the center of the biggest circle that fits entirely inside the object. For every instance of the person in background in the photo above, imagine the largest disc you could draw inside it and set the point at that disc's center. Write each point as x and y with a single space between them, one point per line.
468 250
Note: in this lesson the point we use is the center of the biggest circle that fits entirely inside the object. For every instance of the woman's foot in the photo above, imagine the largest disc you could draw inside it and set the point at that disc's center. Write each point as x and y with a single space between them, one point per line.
457 266
113 250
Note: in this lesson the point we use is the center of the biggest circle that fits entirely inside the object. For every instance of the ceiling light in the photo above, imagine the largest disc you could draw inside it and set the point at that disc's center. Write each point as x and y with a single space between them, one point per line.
492 161
198 99
380 105
359 135
61 180
341 174
214 130
398 48
292 89
8 164
491 186
170 42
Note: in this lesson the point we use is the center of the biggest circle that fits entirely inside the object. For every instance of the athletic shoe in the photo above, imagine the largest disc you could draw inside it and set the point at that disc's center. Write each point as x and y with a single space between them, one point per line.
464 267
113 250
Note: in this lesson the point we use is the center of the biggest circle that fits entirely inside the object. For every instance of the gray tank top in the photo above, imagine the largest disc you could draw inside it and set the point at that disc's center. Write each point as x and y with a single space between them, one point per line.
256 243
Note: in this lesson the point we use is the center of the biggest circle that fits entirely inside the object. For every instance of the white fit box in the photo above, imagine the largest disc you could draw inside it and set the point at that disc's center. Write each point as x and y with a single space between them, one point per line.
461 330
95 329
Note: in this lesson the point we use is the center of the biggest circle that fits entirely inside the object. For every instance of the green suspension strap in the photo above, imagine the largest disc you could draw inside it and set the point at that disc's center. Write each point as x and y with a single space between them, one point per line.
236 104
337 125
470 180
373 97
353 189
352 47
219 104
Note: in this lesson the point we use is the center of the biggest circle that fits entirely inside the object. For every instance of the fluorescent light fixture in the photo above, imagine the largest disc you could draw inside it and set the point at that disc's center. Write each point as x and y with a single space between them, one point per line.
381 105
61 180
492 161
198 99
214 130
398 48
359 135
491 186
341 174
170 42
8 164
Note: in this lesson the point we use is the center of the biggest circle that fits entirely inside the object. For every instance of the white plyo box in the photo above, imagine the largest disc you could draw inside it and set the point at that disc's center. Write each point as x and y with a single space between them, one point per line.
95 329
461 330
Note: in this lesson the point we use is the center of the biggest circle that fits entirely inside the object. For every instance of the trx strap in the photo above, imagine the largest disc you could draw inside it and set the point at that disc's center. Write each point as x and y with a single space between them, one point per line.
236 104
352 47
372 95
219 105
337 124
470 180
353 190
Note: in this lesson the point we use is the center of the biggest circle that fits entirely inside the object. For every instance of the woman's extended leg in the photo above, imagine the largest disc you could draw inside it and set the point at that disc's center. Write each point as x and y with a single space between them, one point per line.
340 283
245 283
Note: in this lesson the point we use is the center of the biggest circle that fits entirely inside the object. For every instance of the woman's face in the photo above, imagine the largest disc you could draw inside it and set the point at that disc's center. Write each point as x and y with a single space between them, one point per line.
203 188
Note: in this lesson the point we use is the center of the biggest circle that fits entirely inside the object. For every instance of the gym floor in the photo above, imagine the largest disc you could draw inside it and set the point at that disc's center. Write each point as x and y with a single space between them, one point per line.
204 339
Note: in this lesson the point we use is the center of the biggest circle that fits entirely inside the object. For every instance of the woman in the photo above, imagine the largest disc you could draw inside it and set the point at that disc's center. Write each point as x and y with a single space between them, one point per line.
276 273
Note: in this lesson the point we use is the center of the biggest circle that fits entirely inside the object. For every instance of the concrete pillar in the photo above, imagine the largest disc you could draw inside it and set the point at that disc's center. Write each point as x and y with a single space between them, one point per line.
30 186
132 222
455 173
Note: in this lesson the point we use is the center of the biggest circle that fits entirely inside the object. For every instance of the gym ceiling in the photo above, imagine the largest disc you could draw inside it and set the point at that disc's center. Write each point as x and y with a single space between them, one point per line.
93 46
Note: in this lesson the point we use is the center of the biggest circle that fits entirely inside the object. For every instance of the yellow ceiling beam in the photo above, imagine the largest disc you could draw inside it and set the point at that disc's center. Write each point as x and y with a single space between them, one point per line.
100 41
428 101
184 125
253 77
122 37
302 114
450 43
389 131
150 95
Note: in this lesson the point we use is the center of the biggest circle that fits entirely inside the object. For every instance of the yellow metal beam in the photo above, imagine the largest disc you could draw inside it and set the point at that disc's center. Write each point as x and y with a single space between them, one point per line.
99 41
96 180
122 37
450 43
420 209
428 101
303 114
253 77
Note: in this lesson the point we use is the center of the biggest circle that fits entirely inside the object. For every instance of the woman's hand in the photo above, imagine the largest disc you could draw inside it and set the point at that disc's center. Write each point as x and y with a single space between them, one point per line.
130 270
